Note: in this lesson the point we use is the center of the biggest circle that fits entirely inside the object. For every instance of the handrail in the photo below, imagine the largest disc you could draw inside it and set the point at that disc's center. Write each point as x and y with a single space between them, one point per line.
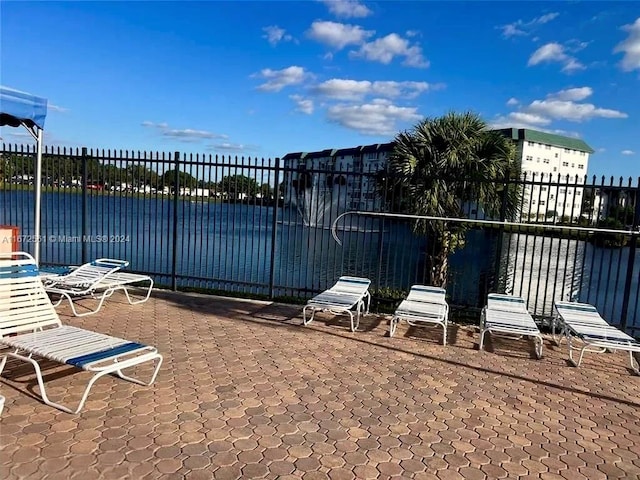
471 220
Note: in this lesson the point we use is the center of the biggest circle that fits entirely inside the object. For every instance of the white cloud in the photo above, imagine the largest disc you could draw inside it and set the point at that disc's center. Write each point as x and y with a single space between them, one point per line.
524 118
554 52
562 105
303 105
571 94
233 147
571 111
190 133
338 35
522 28
184 134
628 152
347 8
379 117
347 89
276 80
630 47
275 35
512 102
385 49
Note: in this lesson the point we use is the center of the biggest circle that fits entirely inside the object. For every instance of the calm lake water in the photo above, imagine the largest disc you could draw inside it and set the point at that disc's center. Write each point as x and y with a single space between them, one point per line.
232 247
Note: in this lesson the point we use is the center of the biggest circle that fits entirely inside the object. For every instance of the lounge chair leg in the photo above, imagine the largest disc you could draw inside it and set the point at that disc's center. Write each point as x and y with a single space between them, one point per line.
538 346
354 326
557 337
444 333
91 312
306 322
635 362
393 325
141 382
482 338
144 299
43 391
571 348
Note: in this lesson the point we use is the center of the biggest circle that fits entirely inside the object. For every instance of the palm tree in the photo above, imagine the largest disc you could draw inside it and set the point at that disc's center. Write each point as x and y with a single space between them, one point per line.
439 166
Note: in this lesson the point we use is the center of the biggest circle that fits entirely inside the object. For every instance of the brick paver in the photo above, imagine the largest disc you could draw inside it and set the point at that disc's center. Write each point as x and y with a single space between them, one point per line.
247 392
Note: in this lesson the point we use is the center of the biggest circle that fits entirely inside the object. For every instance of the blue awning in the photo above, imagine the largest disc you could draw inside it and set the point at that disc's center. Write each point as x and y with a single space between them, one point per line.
20 108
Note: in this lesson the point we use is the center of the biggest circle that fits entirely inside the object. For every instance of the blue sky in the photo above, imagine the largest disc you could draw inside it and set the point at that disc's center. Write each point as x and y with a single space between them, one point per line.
267 78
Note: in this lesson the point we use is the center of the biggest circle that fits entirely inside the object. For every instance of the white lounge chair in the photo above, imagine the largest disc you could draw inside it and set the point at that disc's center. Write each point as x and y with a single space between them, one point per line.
31 327
347 294
424 304
581 321
98 280
507 315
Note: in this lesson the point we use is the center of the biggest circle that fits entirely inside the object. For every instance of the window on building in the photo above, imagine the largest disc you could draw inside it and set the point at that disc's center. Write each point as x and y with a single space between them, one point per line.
529 158
565 164
547 147
566 150
542 202
534 202
552 196
573 165
556 155
578 193
580 165
531 144
544 189
538 160
582 154
555 169
546 160
562 190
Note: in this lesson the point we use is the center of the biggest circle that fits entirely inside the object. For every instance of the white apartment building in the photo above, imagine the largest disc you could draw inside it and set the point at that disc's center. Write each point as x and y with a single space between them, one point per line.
559 164
554 166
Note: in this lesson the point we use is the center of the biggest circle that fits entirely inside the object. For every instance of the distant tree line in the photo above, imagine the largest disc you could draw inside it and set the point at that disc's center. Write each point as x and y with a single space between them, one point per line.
68 172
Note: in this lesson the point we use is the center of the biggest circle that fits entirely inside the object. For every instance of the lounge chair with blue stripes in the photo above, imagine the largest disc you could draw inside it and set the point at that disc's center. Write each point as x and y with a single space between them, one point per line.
423 305
348 294
98 280
582 322
30 326
507 315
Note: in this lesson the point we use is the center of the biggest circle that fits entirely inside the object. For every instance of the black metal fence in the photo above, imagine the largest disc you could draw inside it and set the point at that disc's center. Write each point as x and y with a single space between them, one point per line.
262 227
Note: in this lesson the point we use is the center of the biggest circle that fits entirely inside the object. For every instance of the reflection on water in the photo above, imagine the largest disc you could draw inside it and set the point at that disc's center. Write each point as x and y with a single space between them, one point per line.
543 269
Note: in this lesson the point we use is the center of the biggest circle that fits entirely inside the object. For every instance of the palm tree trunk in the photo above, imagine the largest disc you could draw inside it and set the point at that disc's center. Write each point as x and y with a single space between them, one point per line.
437 260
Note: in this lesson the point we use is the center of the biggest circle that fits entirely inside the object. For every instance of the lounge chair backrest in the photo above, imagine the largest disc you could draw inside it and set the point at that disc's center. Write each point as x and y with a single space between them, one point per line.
427 294
354 285
24 303
509 303
93 272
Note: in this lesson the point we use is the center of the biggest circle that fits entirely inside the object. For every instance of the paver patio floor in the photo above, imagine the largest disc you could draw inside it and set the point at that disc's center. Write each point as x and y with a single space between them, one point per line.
246 392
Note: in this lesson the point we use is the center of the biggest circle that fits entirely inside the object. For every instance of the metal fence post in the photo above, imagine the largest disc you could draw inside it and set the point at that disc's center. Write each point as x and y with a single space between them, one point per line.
274 227
85 203
630 262
176 193
499 243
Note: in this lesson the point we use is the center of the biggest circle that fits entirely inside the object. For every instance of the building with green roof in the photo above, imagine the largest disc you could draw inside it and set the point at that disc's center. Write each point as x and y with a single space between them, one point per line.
548 157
